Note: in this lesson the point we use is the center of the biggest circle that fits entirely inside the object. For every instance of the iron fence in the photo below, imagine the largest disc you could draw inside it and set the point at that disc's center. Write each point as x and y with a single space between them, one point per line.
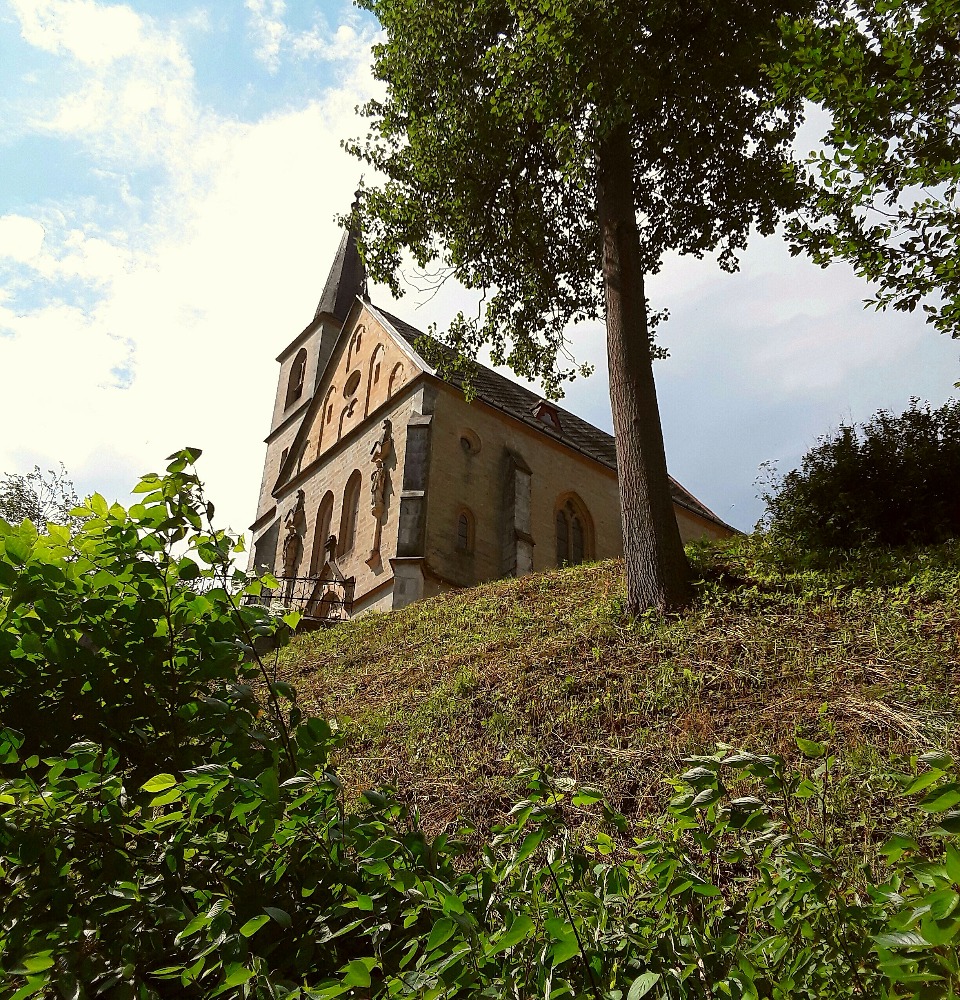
321 600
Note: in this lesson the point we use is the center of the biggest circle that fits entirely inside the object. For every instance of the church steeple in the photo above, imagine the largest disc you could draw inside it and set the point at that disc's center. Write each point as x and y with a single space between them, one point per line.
347 278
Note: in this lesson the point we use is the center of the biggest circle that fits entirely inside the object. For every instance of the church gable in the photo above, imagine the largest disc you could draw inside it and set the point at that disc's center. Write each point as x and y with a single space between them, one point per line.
368 365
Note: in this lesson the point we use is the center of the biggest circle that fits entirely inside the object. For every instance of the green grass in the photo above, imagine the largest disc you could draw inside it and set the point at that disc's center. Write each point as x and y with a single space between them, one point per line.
448 699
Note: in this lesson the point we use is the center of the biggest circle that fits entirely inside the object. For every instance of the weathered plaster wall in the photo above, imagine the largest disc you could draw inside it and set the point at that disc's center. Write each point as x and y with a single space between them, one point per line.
477 481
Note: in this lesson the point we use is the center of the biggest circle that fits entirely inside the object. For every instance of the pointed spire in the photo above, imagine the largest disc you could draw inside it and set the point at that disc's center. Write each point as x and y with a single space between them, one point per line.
347 278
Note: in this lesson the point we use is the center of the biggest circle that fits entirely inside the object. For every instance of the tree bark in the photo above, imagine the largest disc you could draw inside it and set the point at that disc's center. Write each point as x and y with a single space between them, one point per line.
657 568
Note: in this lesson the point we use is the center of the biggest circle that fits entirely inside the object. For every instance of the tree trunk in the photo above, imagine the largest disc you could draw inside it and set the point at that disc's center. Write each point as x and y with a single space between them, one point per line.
657 569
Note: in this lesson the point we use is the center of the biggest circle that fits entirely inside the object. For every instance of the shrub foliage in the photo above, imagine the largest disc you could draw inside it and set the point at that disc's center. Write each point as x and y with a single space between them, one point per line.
170 825
891 481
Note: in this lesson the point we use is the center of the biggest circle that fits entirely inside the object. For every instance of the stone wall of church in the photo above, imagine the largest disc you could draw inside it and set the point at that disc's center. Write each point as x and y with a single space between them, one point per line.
693 528
366 370
510 481
351 459
487 481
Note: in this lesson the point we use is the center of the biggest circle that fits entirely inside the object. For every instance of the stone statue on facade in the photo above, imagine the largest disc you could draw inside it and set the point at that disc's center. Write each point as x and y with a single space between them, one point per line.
292 525
379 454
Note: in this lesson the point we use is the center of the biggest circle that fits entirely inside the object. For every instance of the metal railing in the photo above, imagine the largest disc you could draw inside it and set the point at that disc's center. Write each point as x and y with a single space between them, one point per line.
321 600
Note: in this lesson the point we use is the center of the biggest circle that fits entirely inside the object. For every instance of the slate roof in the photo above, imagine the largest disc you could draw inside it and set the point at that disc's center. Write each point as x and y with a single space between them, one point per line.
520 403
346 281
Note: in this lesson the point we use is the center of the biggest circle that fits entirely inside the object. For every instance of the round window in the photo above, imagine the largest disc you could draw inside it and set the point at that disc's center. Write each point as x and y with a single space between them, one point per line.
469 442
352 382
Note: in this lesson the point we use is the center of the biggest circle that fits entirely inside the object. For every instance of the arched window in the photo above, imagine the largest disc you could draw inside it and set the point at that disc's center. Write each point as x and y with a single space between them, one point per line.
350 513
563 538
298 373
373 378
396 378
574 531
321 532
355 343
345 415
465 530
322 422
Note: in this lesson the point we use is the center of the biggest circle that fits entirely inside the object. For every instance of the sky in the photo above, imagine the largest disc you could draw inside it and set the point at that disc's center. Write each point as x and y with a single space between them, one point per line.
169 176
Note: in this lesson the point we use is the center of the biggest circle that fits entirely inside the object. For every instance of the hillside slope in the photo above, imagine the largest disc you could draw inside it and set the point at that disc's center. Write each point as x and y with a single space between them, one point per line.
449 698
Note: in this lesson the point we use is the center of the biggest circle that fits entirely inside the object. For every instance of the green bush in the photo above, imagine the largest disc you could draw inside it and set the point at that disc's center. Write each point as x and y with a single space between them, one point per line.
170 826
892 481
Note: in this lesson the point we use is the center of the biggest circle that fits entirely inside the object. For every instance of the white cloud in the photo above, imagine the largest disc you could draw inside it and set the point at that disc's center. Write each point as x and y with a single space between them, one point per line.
268 29
344 43
130 93
191 306
95 34
20 238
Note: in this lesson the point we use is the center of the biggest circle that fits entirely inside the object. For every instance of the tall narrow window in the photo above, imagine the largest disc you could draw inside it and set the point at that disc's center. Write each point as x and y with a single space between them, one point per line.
298 374
563 538
574 531
576 540
396 379
321 533
350 513
373 378
465 526
354 347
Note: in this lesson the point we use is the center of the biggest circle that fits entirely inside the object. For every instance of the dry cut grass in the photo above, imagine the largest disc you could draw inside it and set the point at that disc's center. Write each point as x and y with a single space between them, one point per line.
448 699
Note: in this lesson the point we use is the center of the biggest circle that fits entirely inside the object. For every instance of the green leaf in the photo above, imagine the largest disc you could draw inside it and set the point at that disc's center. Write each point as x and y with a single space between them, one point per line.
522 927
40 962
452 904
939 931
642 985
269 784
281 916
530 843
941 798
17 549
159 784
441 931
564 950
811 749
161 800
254 924
942 903
357 973
936 758
923 781
33 985
901 939
587 796
952 863
237 977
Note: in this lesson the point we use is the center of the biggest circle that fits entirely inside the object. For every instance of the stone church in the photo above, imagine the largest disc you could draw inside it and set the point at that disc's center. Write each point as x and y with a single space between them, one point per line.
382 485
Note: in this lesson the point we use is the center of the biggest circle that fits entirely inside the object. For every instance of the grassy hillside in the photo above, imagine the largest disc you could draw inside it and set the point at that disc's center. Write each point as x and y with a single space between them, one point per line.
449 698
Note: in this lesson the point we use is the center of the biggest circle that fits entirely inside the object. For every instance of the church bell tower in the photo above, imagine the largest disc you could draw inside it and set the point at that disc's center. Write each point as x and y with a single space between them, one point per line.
302 363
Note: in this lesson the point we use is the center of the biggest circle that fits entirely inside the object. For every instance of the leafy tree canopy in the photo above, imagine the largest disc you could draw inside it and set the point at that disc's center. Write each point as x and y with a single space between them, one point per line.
491 132
550 155
888 74
890 481
38 497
